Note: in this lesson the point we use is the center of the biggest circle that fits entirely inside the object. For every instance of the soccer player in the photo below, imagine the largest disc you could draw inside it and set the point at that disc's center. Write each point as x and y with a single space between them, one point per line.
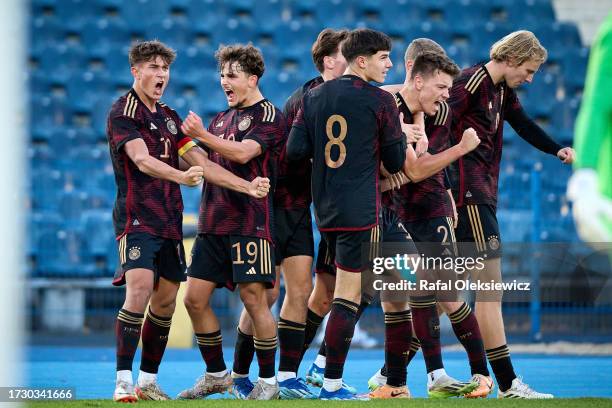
145 143
425 207
293 245
235 233
427 88
483 97
347 126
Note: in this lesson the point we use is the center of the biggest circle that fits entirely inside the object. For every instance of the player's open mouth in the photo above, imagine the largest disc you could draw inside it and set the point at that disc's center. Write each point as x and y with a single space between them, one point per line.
229 94
159 85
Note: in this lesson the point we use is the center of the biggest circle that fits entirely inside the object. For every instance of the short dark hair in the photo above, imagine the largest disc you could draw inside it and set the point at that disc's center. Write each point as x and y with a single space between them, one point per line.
326 44
428 63
364 42
144 51
247 56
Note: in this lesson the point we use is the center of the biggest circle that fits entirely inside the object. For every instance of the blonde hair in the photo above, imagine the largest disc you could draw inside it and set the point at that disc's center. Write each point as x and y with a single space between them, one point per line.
518 47
421 46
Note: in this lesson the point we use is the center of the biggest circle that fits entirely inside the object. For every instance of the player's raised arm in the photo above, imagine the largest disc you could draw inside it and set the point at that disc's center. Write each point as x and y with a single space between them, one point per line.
138 152
213 173
240 152
420 168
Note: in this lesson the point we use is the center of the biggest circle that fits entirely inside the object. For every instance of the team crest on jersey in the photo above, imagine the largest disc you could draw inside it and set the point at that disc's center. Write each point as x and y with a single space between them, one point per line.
134 253
493 243
245 123
172 127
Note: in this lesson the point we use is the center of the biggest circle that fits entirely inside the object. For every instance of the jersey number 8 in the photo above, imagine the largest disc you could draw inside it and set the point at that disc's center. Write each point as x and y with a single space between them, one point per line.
335 141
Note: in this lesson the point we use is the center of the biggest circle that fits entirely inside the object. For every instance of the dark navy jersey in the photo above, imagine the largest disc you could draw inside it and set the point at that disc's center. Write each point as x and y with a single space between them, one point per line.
293 186
478 103
144 203
427 198
344 125
227 212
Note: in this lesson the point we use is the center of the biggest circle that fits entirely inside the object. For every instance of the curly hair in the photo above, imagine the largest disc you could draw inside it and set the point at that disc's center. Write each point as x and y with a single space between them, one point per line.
247 56
519 47
144 51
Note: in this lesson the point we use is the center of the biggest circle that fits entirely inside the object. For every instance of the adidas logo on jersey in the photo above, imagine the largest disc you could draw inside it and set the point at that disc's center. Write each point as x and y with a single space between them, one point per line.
251 271
153 127
468 194
136 222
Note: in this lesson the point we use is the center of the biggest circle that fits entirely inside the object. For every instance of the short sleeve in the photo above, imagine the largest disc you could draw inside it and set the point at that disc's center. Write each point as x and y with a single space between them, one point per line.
269 129
122 130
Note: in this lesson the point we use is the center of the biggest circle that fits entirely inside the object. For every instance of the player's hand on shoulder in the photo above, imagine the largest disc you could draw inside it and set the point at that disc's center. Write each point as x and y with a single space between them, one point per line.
260 187
469 140
412 131
192 176
192 125
421 145
567 155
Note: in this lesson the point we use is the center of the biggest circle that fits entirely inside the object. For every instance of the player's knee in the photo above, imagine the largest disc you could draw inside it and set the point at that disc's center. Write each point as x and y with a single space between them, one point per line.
253 298
320 305
297 297
164 307
138 295
195 304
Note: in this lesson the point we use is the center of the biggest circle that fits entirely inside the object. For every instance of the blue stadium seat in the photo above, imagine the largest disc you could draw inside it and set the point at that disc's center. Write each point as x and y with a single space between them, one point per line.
38 223
59 62
62 253
47 186
235 31
574 65
98 226
45 32
269 15
49 111
295 39
335 13
564 117
401 16
541 95
176 32
142 14
77 14
105 35
206 15
192 65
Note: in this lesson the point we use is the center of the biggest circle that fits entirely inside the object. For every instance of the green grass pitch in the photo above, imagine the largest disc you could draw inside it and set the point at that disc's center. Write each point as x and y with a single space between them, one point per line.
414 403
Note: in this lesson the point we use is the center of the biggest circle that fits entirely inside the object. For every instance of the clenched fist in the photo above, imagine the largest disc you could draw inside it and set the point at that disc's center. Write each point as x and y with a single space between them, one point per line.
192 125
469 140
192 176
259 188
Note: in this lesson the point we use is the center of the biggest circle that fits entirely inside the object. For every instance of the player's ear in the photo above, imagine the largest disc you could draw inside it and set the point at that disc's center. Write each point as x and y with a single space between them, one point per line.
253 81
135 72
328 62
362 61
418 82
